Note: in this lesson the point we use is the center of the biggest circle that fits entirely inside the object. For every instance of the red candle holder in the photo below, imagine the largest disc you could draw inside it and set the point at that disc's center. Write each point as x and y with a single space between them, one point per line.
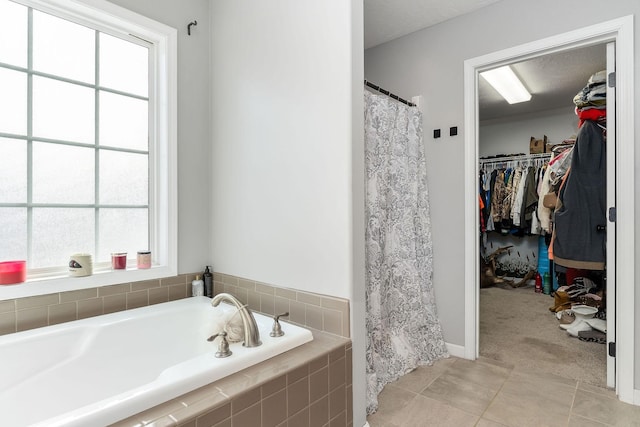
119 260
12 272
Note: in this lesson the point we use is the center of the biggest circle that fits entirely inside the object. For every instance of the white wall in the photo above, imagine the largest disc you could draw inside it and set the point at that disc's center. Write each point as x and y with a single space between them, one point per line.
287 151
512 135
281 140
193 123
431 63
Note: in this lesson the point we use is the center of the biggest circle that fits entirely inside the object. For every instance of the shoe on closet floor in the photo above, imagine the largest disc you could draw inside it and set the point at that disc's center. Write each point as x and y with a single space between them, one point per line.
593 336
565 317
561 301
598 324
579 325
565 326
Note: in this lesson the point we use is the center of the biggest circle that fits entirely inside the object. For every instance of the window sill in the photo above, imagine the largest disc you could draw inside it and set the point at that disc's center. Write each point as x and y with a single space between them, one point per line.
66 283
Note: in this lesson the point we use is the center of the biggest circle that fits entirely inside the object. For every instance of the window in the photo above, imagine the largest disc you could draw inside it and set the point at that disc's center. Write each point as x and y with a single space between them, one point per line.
87 139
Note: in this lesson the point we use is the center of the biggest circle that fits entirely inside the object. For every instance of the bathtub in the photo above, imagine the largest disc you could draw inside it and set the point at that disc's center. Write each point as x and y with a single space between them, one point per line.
96 371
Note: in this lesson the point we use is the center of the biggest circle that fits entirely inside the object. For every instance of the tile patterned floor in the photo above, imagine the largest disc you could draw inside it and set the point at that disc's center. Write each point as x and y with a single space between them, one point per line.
486 393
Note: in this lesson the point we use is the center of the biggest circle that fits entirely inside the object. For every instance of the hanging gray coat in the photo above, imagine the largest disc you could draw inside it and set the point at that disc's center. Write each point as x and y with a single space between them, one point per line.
580 216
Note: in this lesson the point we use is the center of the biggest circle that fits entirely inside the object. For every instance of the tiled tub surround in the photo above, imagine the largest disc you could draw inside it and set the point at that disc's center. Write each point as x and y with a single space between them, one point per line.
34 312
316 311
243 396
308 386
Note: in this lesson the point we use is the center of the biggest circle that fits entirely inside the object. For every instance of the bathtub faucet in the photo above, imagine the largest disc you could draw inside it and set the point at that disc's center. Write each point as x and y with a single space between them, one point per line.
251 333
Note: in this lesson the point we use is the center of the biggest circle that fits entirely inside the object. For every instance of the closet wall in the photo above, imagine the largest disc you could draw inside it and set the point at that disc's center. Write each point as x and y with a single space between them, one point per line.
511 135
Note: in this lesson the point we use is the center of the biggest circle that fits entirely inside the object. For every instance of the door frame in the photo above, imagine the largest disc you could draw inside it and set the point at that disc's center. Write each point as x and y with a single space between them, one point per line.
619 31
611 233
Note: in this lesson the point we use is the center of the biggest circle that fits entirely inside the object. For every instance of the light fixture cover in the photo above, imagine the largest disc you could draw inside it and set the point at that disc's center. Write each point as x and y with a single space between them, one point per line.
507 84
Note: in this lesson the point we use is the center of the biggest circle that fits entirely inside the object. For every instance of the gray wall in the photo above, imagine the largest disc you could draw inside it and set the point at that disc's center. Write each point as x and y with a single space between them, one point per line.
512 134
193 123
430 63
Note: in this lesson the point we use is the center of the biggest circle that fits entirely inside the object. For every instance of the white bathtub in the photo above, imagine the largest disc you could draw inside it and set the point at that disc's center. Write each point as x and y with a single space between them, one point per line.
96 371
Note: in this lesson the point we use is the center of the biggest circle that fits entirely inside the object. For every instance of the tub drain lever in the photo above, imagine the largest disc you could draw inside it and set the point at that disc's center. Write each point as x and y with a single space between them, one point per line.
223 347
276 330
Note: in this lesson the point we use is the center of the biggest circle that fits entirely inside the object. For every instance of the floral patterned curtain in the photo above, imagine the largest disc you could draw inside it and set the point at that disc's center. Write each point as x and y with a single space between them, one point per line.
403 329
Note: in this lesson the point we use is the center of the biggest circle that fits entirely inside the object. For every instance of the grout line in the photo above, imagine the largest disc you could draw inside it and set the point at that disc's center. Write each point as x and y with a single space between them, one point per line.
496 395
573 401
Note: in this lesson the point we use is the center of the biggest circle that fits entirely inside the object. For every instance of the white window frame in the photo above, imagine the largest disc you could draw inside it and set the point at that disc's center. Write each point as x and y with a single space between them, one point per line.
107 17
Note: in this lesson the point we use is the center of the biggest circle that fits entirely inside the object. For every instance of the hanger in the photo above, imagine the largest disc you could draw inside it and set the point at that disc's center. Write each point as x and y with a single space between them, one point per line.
557 149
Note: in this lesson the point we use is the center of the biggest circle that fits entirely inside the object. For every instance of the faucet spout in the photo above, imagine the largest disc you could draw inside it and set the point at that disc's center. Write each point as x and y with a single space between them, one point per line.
251 332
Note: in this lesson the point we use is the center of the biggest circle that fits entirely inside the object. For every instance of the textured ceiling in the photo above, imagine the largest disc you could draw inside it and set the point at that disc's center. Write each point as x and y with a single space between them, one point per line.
385 20
553 80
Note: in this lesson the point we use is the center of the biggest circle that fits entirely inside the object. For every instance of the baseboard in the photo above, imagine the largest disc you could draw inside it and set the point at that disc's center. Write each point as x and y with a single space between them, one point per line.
455 350
366 425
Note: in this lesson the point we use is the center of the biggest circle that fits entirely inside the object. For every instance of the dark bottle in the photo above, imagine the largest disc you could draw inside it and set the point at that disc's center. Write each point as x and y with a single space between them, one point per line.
208 282
546 283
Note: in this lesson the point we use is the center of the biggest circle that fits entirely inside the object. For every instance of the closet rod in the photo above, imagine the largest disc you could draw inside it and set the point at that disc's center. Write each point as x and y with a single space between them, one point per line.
389 94
514 158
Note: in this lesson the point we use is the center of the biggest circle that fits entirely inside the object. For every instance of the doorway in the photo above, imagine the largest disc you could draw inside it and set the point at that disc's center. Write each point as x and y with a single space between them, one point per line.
619 32
515 323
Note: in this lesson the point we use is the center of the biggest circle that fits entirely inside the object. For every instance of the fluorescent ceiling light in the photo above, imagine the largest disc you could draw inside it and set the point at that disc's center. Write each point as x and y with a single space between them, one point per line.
507 84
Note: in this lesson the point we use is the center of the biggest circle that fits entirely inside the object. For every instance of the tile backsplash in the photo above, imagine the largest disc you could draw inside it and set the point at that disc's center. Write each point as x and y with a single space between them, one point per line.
328 314
324 313
33 312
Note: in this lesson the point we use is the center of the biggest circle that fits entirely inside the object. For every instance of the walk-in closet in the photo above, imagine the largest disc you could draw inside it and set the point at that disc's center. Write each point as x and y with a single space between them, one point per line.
542 223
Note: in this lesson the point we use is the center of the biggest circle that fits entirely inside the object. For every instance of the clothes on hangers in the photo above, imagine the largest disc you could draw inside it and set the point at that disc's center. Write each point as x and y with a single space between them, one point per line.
509 190
555 172
580 217
579 230
559 165
530 199
519 197
545 212
595 114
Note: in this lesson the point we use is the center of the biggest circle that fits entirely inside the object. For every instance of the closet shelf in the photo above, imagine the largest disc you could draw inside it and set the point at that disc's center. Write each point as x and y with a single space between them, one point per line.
516 158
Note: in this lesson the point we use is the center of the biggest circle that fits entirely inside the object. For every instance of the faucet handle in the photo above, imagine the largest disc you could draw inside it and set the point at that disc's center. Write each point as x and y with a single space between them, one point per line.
276 330
223 347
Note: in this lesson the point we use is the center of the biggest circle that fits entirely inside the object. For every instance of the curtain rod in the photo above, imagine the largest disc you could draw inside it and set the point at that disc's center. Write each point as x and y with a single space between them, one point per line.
389 94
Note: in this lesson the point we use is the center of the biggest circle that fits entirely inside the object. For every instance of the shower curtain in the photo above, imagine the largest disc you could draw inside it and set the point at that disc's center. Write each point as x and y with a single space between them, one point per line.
403 330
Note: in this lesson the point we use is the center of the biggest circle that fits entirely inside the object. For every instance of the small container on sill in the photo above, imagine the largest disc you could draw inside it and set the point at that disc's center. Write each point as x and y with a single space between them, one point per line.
13 272
144 259
80 265
119 261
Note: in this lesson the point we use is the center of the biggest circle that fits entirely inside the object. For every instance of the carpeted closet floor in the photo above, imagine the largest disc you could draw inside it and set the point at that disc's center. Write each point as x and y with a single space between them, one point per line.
517 327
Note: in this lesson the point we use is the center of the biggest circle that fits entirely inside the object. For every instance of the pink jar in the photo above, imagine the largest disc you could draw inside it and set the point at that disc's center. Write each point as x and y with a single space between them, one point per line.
144 259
